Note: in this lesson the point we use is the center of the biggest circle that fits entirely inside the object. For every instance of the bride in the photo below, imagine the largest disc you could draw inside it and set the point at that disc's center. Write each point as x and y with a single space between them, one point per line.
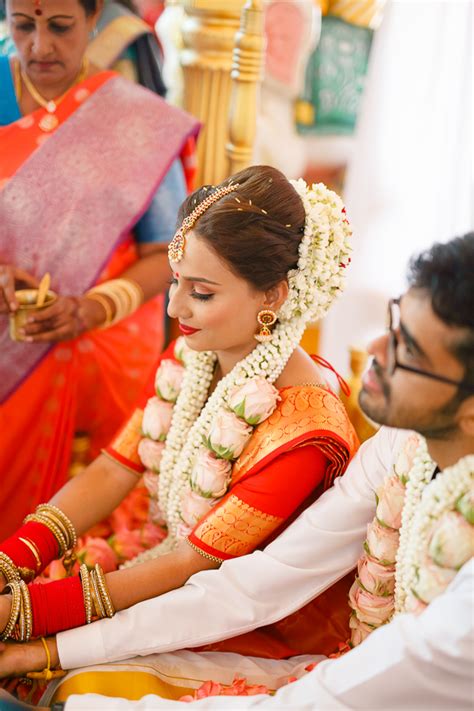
238 430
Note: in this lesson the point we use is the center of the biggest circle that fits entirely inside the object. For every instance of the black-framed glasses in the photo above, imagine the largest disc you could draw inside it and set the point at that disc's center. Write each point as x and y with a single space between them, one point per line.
392 361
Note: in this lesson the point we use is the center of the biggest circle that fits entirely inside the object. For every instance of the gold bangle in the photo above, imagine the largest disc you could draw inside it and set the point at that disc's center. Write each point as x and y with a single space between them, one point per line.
104 592
96 598
53 527
8 568
24 623
15 589
104 302
27 611
29 544
84 575
60 517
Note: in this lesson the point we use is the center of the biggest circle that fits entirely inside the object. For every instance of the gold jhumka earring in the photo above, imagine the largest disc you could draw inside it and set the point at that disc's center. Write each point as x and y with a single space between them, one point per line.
178 243
265 318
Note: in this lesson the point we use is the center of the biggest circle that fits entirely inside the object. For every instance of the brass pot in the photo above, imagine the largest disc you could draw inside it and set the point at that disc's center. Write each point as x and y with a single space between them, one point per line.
26 307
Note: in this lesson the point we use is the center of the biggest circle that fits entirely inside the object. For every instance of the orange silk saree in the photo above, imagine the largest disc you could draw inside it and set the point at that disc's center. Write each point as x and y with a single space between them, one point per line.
68 203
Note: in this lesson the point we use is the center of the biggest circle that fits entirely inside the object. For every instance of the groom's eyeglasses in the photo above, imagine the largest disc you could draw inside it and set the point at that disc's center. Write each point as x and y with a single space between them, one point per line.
392 361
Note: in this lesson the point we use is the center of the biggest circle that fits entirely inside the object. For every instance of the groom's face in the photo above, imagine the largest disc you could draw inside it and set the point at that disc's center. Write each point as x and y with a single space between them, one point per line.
404 399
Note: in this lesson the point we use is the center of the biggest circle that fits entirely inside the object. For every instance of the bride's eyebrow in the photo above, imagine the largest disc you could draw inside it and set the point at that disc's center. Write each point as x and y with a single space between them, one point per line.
201 280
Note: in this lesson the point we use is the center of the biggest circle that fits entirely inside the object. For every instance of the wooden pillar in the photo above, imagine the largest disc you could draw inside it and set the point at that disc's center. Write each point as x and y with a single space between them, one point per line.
209 30
247 75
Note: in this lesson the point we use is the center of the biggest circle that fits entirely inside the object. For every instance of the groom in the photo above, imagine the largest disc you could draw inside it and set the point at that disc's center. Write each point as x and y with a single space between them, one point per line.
421 379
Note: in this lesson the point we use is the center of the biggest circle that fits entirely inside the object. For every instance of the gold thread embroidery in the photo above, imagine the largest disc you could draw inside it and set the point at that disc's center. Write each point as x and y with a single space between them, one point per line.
301 409
127 441
214 558
235 527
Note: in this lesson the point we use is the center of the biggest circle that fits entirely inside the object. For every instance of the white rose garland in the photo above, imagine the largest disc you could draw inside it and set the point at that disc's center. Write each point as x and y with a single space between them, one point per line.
432 511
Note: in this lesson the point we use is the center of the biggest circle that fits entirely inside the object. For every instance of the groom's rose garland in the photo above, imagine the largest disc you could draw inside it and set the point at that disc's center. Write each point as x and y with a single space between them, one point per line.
204 435
422 533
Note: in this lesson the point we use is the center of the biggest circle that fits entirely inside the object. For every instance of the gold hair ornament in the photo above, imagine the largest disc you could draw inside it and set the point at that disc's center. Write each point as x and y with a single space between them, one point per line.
178 243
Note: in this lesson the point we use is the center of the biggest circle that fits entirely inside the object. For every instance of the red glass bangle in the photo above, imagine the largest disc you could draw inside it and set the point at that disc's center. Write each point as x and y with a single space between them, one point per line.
57 606
40 538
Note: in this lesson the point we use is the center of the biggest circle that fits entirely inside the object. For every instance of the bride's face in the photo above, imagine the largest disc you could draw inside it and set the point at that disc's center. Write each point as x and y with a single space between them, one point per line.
216 309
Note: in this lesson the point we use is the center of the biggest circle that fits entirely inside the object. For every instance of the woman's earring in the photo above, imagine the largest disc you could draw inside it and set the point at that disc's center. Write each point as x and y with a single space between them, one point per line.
94 33
265 318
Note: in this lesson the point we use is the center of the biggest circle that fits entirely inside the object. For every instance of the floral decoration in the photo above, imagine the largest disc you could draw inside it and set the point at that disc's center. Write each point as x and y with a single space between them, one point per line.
422 533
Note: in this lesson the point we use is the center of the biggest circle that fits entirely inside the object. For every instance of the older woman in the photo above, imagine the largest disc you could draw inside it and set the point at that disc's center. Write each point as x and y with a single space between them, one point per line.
237 432
90 184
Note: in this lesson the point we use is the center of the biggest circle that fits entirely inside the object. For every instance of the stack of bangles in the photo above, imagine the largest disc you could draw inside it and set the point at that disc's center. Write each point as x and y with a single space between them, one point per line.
118 297
42 610
46 535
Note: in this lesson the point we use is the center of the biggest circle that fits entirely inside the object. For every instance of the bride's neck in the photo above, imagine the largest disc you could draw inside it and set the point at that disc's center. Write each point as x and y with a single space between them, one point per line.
228 359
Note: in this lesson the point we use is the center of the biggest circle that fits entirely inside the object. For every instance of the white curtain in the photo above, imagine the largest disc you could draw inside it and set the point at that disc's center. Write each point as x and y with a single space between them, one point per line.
409 182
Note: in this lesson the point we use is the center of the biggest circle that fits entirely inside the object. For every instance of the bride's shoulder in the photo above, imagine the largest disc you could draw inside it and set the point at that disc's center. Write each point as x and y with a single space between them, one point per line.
301 370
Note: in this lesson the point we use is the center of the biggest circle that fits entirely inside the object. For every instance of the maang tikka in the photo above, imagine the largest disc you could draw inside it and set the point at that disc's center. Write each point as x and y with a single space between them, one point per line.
178 243
266 318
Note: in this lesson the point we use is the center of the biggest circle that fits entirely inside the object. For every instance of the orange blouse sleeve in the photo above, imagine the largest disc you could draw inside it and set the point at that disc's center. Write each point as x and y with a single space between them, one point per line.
256 506
124 447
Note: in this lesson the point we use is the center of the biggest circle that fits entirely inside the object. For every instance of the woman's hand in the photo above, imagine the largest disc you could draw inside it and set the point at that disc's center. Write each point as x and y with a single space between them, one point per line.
3 582
67 318
12 278
5 608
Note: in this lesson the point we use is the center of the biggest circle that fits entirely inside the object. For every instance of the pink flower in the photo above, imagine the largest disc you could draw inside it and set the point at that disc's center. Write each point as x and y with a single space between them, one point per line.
465 506
96 550
157 419
452 541
239 687
132 512
126 544
228 435
376 578
382 543
168 380
181 349
391 497
414 605
150 452
359 630
194 507
55 570
210 476
254 401
372 609
156 514
405 458
150 479
183 531
432 580
151 535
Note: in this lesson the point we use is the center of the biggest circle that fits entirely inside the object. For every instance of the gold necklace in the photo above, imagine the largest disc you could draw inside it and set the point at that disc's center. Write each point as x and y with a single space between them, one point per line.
49 121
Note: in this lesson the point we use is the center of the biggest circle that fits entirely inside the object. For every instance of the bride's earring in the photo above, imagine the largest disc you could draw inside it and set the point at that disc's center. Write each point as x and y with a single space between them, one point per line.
265 318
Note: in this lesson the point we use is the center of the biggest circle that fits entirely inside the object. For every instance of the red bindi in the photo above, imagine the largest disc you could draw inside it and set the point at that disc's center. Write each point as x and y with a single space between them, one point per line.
38 12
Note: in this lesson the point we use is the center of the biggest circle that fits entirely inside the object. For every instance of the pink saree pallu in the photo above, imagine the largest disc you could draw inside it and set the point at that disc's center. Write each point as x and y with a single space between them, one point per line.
68 203
77 196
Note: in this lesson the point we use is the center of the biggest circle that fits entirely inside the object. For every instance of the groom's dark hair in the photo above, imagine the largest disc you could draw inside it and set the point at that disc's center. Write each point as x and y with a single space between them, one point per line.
446 272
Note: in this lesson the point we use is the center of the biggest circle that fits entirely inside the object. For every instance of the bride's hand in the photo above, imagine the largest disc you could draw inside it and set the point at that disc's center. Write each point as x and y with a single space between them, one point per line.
3 582
5 608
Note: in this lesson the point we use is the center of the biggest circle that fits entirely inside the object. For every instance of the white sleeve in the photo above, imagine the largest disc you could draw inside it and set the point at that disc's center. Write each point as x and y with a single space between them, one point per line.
423 662
319 548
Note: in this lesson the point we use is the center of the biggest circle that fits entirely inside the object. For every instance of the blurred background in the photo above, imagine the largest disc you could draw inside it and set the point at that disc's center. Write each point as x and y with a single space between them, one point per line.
372 97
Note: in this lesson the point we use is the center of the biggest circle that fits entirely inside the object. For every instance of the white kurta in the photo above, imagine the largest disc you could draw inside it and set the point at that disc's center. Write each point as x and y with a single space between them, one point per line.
422 662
